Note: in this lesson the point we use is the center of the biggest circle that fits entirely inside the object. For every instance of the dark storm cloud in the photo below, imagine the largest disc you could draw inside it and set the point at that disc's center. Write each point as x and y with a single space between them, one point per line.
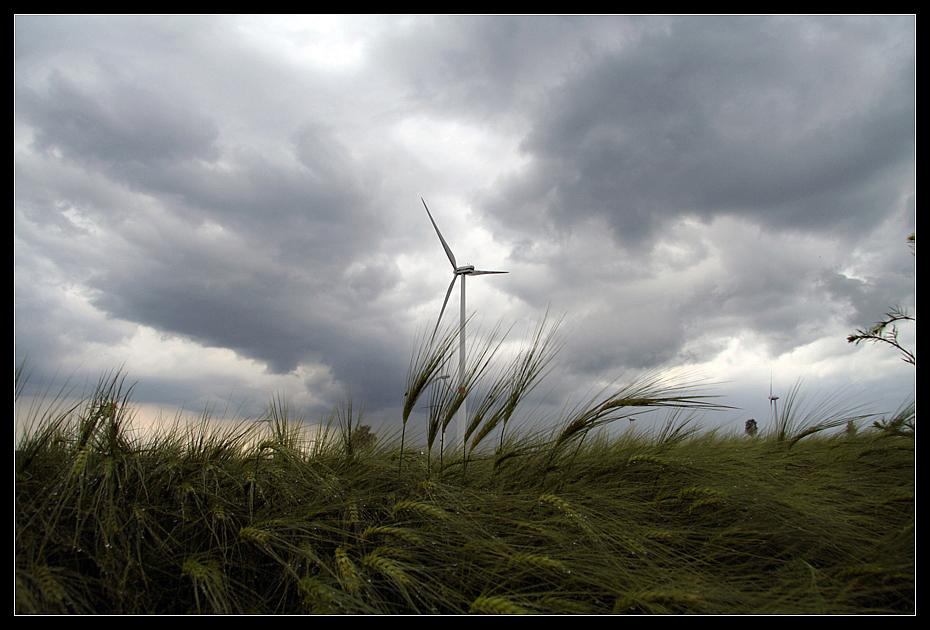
790 122
125 127
162 146
489 68
266 286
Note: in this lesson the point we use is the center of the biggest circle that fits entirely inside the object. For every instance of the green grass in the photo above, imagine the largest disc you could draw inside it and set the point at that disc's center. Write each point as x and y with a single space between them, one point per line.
253 518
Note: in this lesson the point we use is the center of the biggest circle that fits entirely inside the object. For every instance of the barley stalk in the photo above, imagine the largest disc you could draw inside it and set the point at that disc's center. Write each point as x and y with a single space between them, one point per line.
702 502
52 590
250 532
696 491
377 561
348 575
218 511
536 561
630 544
196 570
496 606
651 459
80 461
421 508
387 530
561 504
320 597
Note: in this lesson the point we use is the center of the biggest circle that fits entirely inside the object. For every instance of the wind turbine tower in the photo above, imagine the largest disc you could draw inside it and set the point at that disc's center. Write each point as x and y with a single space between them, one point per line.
457 272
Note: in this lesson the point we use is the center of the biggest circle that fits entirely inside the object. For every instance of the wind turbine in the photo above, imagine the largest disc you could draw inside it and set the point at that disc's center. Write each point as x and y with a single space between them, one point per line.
457 272
773 403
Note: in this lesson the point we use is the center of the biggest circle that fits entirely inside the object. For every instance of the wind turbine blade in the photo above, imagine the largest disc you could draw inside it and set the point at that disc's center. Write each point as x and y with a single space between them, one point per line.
445 245
444 302
479 272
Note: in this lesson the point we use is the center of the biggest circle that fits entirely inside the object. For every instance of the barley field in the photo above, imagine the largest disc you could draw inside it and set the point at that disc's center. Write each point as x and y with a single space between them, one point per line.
253 517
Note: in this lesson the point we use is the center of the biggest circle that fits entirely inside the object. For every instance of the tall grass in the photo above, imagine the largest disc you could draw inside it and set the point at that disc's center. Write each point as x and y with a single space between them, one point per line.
254 517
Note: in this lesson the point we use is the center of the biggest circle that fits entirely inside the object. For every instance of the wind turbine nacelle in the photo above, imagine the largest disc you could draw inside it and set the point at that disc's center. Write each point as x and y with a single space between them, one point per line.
469 270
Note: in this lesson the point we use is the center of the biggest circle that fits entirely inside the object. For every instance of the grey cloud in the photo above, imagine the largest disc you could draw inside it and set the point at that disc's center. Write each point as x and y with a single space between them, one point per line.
741 116
162 147
868 299
487 68
128 125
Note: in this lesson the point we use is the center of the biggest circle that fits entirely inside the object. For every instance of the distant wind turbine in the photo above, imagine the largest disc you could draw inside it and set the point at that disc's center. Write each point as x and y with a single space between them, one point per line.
464 270
773 403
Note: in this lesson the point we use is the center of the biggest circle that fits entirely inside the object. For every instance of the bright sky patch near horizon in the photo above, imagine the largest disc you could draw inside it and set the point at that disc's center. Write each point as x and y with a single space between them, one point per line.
227 208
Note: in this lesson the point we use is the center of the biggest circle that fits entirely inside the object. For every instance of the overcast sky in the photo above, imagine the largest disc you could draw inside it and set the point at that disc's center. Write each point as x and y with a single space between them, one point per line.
228 208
